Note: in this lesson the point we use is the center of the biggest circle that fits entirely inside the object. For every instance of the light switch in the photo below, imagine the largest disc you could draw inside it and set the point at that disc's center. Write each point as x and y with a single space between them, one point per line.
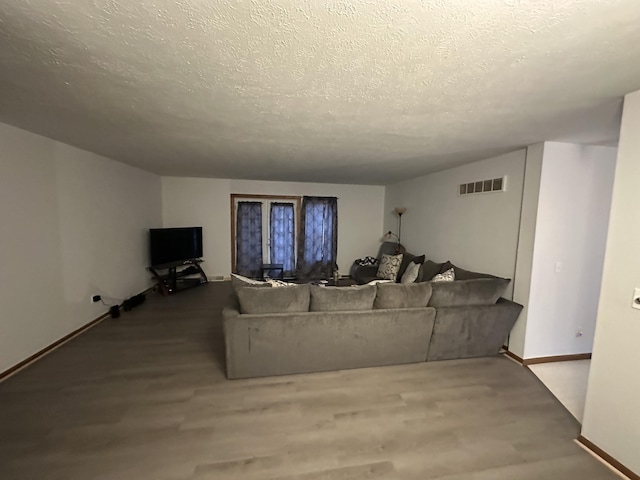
558 267
635 303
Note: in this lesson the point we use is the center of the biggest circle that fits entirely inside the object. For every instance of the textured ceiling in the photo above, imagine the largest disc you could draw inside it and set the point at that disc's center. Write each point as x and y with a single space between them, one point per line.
345 91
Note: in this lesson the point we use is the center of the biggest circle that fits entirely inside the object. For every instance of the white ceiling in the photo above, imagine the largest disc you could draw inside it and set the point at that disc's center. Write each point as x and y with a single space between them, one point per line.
344 91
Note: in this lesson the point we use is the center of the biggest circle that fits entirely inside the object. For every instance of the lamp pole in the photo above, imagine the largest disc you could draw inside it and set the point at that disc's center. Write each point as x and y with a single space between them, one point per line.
400 211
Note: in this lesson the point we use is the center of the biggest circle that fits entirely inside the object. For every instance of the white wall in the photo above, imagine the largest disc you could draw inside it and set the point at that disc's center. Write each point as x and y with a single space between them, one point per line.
206 202
476 232
73 224
570 235
612 417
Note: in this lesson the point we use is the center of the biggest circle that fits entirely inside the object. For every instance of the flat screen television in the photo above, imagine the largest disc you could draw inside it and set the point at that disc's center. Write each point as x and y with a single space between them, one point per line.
169 245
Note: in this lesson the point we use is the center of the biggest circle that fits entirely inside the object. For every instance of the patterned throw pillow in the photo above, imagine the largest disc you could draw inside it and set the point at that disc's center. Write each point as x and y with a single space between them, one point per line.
367 261
448 276
389 266
411 273
279 283
238 281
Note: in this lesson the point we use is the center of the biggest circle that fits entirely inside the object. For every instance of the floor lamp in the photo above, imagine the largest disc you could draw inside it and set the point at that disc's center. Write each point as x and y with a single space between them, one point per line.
400 211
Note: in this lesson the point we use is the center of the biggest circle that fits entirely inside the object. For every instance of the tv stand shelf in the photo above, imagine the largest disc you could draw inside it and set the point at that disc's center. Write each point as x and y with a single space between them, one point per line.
177 276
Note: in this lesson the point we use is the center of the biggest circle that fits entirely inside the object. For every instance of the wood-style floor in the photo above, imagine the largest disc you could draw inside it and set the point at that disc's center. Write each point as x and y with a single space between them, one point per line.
145 397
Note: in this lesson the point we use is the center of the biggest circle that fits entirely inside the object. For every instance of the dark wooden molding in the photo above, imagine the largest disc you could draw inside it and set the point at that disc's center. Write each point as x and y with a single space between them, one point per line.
608 458
36 356
512 355
557 358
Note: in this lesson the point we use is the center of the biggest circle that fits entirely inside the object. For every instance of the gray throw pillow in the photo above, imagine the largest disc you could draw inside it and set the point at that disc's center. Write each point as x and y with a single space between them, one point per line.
259 300
389 266
333 299
410 275
477 291
402 295
407 260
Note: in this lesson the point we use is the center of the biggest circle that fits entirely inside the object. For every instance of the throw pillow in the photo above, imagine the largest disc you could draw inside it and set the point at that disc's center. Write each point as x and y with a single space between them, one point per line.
448 276
279 283
238 281
398 295
419 259
366 261
389 266
407 260
430 269
379 280
274 300
411 273
332 299
462 274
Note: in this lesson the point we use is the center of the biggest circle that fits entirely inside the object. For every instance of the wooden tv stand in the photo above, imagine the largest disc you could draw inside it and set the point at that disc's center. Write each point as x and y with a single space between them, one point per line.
176 276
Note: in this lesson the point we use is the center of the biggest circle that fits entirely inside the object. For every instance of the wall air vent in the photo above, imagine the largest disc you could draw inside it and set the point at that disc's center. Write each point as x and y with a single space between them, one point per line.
483 186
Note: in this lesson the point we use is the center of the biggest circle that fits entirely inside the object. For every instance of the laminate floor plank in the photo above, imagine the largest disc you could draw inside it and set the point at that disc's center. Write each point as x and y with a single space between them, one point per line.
145 397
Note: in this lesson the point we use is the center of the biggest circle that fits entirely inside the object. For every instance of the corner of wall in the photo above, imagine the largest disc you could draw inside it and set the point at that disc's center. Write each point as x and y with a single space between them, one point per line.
526 239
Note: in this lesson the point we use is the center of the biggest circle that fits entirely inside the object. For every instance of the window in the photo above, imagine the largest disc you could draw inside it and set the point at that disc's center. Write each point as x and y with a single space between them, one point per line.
264 230
275 229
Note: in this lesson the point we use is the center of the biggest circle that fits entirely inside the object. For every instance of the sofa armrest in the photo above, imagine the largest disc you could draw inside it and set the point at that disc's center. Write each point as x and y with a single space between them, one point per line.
472 331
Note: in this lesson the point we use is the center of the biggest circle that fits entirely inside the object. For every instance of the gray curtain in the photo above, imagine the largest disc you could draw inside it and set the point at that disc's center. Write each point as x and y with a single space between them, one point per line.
282 238
249 239
318 241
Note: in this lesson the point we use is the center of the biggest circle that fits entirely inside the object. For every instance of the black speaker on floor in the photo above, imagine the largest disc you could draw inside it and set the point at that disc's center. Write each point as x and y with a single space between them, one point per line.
115 311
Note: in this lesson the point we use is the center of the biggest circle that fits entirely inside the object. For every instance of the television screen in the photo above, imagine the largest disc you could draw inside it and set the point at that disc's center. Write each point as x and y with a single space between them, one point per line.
168 245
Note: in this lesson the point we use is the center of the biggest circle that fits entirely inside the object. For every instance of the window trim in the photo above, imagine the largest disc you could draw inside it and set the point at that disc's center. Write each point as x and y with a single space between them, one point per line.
236 197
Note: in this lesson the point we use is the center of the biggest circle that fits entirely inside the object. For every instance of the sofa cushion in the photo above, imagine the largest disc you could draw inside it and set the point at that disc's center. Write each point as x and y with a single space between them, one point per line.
477 291
258 300
238 281
419 259
389 266
410 275
429 270
332 299
402 295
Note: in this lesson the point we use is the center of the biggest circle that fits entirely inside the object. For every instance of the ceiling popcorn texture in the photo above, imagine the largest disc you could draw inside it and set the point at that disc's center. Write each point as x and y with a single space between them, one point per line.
351 91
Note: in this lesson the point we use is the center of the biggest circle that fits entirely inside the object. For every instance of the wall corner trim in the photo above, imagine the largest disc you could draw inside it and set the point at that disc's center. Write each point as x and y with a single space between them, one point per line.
557 358
512 355
606 458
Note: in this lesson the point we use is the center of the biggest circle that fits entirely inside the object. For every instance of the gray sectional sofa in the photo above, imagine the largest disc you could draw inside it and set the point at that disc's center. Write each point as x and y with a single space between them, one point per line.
307 328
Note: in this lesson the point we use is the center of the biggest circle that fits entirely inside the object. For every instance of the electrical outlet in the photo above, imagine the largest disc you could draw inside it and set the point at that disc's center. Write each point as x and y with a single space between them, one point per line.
579 332
95 298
